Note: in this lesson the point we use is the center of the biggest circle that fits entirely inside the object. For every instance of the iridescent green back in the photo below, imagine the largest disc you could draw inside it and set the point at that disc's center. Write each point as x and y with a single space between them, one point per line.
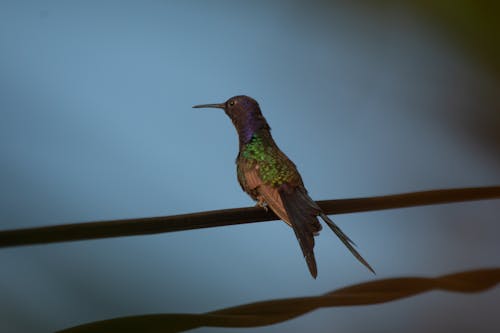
274 167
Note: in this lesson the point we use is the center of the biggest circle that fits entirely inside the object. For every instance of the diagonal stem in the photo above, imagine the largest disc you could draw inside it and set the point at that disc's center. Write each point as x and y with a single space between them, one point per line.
217 218
275 311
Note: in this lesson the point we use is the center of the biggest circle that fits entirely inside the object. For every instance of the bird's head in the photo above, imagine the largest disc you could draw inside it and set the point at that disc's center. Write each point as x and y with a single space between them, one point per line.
245 114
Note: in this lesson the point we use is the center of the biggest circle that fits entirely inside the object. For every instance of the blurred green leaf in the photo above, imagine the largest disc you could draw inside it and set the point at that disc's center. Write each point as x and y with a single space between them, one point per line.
473 24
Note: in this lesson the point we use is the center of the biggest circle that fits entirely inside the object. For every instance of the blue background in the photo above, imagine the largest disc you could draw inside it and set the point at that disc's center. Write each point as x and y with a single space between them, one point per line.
96 124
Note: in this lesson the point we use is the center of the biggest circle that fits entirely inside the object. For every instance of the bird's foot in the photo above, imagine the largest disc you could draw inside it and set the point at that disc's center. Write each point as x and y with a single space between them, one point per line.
262 203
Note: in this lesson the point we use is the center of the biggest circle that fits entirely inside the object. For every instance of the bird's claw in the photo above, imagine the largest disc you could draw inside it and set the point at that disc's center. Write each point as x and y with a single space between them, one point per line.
262 203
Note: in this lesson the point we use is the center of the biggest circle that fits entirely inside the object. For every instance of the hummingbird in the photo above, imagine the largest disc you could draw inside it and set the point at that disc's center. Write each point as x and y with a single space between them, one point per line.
270 178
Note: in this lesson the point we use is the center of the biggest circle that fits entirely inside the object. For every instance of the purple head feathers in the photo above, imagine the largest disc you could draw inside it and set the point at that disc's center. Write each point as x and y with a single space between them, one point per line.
245 114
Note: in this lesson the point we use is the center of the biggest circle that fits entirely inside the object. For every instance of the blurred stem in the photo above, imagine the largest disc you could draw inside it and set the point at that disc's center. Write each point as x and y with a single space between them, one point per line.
271 312
217 218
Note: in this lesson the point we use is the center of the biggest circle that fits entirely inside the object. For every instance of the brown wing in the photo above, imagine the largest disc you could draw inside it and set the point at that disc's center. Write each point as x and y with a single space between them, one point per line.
251 183
289 202
293 207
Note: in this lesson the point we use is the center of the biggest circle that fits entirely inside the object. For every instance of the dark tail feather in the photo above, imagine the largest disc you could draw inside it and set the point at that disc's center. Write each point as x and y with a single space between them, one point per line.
346 240
305 224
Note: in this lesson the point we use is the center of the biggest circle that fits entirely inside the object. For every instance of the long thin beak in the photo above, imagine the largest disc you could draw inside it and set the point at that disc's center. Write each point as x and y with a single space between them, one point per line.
217 106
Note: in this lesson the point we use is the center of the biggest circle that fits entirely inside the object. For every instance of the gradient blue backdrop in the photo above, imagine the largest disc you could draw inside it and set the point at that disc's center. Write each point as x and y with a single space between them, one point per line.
96 123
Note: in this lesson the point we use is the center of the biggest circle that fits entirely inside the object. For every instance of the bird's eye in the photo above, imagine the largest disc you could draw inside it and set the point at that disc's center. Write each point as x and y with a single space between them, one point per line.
231 103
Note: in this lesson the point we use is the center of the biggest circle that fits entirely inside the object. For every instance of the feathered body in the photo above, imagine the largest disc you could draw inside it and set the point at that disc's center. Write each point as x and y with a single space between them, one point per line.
272 179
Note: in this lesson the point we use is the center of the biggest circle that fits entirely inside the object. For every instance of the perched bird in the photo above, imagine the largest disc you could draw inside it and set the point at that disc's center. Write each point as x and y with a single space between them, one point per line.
271 178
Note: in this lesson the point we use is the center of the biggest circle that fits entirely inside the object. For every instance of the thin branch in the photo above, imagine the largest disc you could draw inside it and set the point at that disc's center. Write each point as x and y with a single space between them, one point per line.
217 218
